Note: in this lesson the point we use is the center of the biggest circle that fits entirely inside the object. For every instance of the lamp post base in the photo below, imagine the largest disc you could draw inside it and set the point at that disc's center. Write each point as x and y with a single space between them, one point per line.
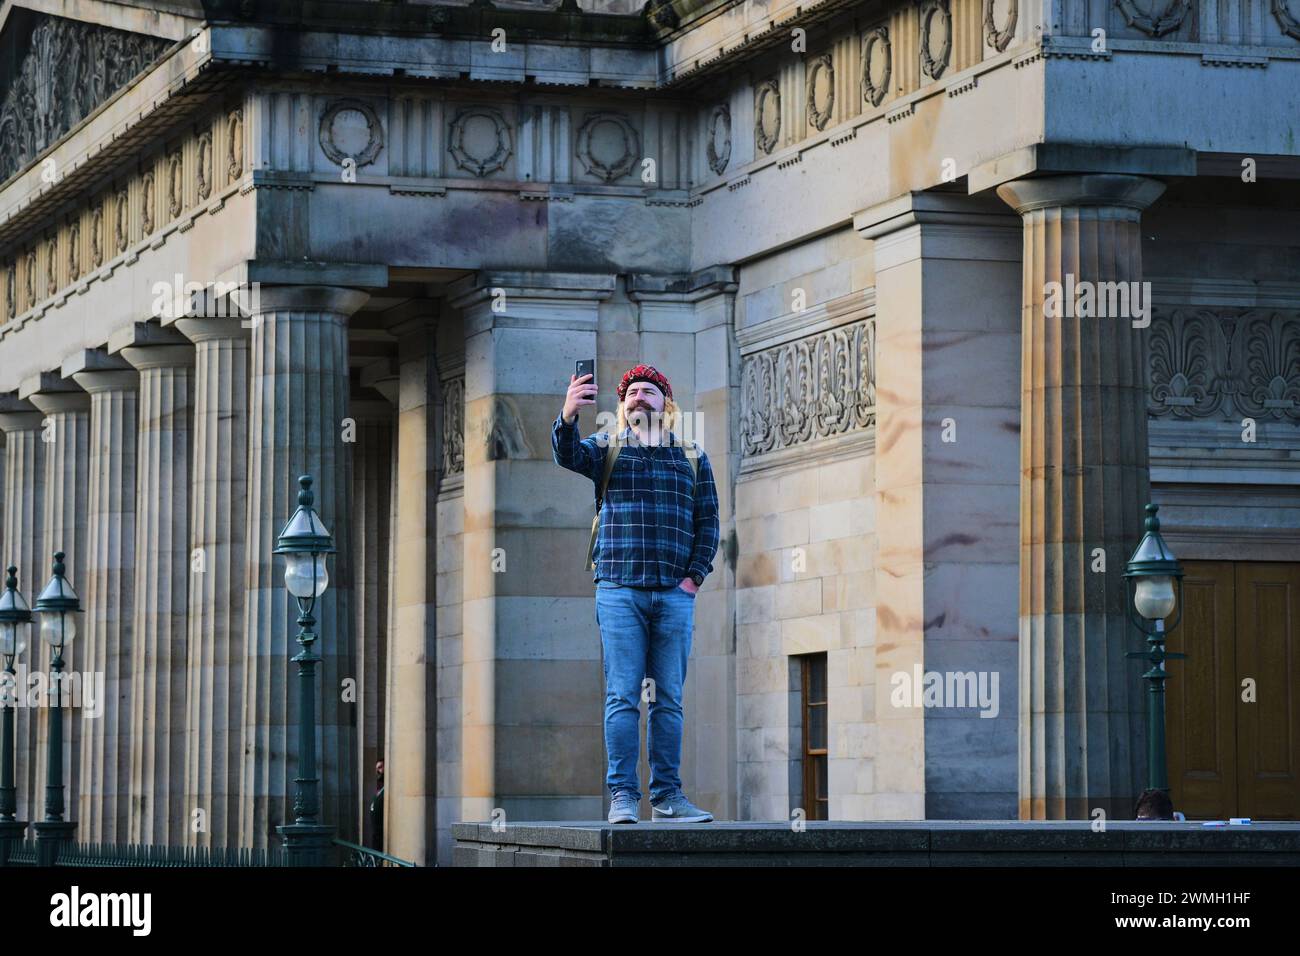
50 836
308 844
11 834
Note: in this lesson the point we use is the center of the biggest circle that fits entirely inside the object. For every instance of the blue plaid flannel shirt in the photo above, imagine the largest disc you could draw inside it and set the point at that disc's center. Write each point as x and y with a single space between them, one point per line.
658 524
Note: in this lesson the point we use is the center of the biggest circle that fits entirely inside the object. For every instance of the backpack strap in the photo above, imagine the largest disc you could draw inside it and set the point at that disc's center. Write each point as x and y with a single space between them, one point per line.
611 454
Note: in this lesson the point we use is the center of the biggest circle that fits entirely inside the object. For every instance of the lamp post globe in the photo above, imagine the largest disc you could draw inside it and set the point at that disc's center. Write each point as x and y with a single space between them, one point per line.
57 606
1154 580
305 542
15 623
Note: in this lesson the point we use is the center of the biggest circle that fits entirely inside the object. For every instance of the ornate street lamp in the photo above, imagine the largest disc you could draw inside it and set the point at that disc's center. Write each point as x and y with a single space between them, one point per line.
304 542
1149 577
15 623
58 606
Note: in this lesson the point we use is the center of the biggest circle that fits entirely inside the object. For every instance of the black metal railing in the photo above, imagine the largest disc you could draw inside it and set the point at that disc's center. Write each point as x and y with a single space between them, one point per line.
23 853
354 855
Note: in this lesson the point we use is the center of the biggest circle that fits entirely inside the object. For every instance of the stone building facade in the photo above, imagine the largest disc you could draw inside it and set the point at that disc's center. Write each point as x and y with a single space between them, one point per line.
836 226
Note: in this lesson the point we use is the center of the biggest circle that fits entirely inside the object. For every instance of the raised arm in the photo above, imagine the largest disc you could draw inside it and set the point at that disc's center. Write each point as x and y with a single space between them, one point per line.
569 452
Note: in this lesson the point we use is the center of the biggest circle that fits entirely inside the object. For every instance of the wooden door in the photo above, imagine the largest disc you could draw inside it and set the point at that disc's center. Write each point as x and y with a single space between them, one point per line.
1200 719
1230 756
1268 651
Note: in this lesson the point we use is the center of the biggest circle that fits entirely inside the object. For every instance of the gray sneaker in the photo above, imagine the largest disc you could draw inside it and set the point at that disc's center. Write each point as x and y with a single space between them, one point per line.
677 809
624 808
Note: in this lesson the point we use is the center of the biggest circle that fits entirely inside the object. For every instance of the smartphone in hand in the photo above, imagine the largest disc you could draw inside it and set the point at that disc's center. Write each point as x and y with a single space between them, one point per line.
587 367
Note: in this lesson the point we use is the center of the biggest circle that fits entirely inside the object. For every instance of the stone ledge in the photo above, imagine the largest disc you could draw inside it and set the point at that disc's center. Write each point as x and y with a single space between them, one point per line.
906 843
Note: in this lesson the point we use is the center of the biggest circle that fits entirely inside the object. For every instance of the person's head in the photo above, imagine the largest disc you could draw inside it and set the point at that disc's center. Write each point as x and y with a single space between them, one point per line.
379 768
1154 805
645 398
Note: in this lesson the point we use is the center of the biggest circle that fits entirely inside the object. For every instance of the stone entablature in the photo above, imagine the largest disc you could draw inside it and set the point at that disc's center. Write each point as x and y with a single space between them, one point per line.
187 175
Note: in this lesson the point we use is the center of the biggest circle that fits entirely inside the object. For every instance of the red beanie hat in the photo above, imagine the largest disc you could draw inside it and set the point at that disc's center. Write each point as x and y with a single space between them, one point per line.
644 373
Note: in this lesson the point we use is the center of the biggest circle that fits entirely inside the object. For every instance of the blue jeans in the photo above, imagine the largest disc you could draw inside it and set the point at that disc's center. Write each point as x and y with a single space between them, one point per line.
644 632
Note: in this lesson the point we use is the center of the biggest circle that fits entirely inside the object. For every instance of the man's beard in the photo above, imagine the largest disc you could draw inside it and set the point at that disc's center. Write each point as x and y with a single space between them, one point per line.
647 419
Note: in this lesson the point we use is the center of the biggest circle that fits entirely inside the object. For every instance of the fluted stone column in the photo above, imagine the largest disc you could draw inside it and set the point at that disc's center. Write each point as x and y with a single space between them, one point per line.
215 669
158 813
24 543
1084 481
298 400
371 506
108 595
66 431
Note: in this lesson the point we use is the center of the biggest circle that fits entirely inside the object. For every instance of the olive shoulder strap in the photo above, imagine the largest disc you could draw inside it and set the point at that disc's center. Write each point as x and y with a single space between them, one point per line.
611 454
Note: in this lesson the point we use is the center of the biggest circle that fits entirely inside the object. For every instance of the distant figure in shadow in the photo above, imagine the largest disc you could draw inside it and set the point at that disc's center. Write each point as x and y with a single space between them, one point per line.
377 810
1154 805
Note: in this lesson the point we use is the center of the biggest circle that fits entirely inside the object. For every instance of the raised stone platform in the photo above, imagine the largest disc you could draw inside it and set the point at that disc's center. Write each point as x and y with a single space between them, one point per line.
1065 843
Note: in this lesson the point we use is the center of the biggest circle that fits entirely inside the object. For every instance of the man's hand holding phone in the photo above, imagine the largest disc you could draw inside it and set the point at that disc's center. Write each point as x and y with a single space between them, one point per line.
582 391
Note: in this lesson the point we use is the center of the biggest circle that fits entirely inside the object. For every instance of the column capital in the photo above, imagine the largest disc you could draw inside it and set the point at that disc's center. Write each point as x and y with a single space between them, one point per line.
159 356
208 330
308 298
17 415
122 380
1091 189
54 403
940 225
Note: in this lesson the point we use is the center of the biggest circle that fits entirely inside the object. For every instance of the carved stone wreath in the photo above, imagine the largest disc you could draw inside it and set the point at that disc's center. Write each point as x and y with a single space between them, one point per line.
933 64
873 92
609 172
329 136
203 174
819 117
74 251
51 266
235 143
175 185
30 276
1282 14
1169 19
765 138
146 203
480 166
97 236
1000 38
719 121
121 232
11 290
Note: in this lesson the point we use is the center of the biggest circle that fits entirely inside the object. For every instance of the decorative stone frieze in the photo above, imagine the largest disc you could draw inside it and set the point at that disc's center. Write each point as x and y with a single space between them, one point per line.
69 68
453 426
811 388
1224 363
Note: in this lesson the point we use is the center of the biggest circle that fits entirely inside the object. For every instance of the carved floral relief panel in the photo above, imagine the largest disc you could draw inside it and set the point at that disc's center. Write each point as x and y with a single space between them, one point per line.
1225 364
815 387
69 69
